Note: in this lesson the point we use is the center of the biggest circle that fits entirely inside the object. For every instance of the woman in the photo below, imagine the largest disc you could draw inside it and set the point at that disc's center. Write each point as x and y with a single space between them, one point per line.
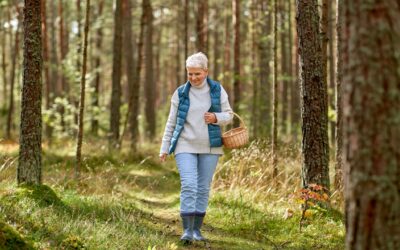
198 109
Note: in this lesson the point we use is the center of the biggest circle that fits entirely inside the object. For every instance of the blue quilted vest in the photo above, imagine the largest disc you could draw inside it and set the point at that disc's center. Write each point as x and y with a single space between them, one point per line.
214 131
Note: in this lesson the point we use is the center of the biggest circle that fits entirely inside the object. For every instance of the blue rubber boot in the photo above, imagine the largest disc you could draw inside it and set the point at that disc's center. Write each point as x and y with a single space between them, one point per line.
198 222
187 222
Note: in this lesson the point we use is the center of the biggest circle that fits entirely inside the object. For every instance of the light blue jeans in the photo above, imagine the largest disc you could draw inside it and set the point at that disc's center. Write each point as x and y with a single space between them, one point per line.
196 172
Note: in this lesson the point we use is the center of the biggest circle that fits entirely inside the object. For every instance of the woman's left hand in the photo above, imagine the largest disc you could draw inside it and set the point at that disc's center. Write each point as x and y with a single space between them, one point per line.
210 118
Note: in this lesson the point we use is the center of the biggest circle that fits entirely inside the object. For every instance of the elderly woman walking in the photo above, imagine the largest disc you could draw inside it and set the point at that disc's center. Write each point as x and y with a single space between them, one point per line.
198 109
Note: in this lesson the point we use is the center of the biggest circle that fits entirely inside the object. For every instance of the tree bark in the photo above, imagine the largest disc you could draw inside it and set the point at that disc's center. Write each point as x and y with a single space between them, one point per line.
265 49
133 119
236 66
116 77
95 96
331 60
12 78
46 72
29 165
133 86
150 85
202 29
82 96
284 69
338 182
294 89
4 65
315 145
227 51
371 122
275 95
186 32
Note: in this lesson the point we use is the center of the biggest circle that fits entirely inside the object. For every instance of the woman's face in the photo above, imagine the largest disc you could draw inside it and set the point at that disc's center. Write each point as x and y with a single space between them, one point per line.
196 76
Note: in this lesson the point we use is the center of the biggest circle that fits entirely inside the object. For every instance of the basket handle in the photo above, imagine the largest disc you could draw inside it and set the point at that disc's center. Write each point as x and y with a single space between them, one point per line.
242 125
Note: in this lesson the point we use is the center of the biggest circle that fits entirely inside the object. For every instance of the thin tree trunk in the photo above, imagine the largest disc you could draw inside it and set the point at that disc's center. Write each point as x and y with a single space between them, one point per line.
325 42
339 110
284 69
129 63
186 32
74 98
236 67
371 122
296 104
4 65
46 65
217 50
201 26
30 156
133 118
331 60
116 77
255 71
275 95
82 97
315 146
53 53
12 77
265 49
61 79
294 88
150 85
227 52
95 96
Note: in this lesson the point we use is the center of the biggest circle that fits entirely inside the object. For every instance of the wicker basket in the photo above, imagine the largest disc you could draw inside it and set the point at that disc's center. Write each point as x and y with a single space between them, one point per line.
237 137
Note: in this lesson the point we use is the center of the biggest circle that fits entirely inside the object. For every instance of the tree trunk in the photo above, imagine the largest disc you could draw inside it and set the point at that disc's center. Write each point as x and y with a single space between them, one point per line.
74 98
202 29
217 51
315 146
53 52
371 122
331 60
133 119
61 80
265 48
275 95
255 79
325 42
12 78
294 89
116 77
296 101
284 69
82 96
227 52
46 65
129 62
29 165
236 67
95 96
4 65
150 85
339 110
186 34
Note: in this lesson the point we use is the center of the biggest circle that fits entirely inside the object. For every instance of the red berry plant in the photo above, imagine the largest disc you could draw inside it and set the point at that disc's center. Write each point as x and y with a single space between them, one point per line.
313 198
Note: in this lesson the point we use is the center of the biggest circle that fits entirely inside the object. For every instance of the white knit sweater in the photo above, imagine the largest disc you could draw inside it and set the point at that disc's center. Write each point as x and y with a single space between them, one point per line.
194 136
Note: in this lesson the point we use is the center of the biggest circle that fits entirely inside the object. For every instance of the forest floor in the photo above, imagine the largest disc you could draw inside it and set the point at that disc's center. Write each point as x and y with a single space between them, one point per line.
126 202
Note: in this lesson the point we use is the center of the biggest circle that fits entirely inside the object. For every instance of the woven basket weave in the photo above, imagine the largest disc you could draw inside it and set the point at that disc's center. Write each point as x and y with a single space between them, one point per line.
236 137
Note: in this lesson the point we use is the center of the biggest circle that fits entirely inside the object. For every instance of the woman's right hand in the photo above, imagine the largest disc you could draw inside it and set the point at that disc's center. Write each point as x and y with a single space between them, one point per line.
163 157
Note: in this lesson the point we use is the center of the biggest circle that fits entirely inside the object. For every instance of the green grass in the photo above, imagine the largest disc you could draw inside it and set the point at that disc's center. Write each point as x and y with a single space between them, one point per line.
132 202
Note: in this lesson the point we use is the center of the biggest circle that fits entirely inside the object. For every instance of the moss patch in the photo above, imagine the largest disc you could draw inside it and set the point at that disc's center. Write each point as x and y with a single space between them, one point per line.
10 239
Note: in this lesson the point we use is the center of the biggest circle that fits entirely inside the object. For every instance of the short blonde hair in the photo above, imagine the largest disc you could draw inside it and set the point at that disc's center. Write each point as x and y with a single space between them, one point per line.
198 60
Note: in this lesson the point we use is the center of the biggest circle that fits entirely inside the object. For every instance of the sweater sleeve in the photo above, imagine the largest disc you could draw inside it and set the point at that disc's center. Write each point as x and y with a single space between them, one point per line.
170 125
225 116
